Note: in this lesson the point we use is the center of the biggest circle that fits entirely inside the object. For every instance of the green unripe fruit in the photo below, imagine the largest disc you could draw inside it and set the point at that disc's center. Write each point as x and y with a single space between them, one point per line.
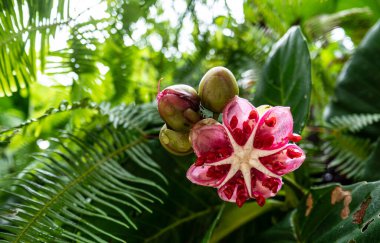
217 87
178 106
174 142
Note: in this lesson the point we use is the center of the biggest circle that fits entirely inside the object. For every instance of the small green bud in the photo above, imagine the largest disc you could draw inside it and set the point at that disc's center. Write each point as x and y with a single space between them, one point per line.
217 87
175 142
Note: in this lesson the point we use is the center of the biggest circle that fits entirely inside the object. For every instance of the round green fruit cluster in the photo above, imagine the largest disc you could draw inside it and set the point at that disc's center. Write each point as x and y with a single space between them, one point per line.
179 106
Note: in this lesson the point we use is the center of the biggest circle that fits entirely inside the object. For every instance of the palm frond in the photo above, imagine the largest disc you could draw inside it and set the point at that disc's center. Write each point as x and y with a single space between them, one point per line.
353 123
23 26
83 178
120 116
129 115
82 52
7 134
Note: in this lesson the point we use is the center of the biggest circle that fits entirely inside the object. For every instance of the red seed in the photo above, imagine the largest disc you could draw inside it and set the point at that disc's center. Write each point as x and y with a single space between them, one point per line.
271 184
240 181
224 152
259 175
200 161
228 191
240 200
234 121
295 137
270 122
277 165
210 156
252 115
211 172
293 153
242 196
268 141
239 136
260 200
265 142
258 143
246 127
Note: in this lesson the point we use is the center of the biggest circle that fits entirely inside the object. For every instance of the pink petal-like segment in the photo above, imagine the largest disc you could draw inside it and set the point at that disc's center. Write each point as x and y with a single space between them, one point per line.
284 161
227 162
274 128
234 190
210 142
240 117
207 175
262 187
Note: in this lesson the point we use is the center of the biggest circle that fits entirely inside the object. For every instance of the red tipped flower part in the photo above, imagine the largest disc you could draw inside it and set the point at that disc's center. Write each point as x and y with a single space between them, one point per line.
245 156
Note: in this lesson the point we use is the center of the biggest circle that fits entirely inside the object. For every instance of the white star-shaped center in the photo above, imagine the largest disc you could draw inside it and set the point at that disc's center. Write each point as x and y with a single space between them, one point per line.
244 158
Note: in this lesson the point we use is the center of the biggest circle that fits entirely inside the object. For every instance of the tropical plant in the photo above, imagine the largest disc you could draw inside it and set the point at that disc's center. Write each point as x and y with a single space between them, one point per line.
81 159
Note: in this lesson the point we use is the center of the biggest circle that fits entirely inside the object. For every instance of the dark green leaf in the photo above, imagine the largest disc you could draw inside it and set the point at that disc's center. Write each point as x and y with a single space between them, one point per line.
286 77
282 232
209 232
234 217
372 168
358 86
337 213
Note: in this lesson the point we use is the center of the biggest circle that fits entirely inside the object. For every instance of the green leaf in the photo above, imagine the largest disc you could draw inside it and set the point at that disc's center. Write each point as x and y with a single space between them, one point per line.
358 86
209 232
372 168
337 213
286 77
282 232
234 217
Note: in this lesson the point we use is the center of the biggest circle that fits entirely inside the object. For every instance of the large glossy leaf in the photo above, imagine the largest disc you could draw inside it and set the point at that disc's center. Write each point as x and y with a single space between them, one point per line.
332 213
235 217
282 232
358 86
372 171
286 79
354 217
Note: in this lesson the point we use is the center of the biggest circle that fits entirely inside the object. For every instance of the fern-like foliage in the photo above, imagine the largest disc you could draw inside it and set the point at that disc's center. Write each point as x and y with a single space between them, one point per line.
7 134
354 123
119 116
349 152
93 179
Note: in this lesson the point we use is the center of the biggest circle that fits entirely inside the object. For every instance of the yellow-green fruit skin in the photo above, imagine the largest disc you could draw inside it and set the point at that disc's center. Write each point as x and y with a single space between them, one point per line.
217 87
174 142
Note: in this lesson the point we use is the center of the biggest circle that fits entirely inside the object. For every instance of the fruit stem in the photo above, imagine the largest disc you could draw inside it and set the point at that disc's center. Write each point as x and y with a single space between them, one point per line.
159 85
297 189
